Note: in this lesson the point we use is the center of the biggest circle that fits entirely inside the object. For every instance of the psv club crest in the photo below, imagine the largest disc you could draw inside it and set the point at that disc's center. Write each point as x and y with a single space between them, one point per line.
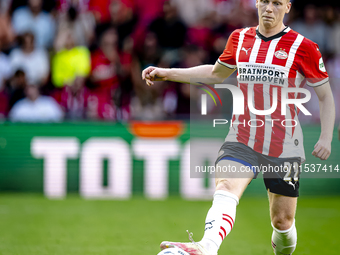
281 54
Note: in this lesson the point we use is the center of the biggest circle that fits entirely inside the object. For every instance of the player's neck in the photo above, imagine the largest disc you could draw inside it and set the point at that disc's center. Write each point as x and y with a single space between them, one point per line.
268 32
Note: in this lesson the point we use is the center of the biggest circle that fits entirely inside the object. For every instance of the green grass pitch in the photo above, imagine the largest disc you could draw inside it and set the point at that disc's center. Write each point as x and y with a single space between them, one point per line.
32 224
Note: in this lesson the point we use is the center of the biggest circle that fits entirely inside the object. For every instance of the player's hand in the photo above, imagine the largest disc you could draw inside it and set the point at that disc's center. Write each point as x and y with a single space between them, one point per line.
152 73
322 149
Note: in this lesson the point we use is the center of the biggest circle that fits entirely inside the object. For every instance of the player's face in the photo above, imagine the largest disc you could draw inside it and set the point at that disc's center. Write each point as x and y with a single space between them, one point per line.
272 12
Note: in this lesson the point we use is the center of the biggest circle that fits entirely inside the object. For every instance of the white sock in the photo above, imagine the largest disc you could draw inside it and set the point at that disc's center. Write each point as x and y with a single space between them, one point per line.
284 241
219 221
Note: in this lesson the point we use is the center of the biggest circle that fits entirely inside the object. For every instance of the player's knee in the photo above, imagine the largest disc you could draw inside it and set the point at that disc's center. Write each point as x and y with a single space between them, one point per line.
282 222
224 184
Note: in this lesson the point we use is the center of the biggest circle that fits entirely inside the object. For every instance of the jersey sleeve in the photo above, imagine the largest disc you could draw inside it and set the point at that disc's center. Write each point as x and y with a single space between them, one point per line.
313 67
228 57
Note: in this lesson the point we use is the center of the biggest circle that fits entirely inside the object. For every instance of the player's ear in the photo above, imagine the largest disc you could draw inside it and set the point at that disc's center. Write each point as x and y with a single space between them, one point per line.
288 6
257 4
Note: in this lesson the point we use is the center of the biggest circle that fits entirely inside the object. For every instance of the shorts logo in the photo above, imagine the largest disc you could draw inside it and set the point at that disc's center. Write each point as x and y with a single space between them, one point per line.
281 54
296 142
292 184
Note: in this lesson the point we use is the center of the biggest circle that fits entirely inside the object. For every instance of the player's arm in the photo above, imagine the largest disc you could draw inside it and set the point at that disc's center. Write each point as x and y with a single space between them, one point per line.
322 148
211 74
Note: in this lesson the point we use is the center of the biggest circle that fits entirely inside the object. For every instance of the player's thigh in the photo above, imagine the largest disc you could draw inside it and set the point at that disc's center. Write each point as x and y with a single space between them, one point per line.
282 210
232 177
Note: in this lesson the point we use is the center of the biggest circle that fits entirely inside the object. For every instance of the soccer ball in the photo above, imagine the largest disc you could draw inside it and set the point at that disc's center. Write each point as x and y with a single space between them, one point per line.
173 251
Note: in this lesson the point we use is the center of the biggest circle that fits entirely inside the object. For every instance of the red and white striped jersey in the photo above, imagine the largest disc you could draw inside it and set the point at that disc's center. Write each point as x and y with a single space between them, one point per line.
265 65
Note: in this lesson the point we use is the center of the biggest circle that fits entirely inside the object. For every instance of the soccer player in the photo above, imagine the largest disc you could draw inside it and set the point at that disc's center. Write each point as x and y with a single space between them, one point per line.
273 50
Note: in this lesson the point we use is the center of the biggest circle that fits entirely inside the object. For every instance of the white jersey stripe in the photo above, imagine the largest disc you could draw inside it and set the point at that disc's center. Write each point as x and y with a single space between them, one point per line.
298 79
240 42
255 51
239 46
289 130
293 50
252 134
268 124
290 61
252 59
266 98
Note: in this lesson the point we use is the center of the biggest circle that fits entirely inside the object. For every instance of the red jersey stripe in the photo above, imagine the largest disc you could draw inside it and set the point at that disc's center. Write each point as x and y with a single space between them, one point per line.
261 56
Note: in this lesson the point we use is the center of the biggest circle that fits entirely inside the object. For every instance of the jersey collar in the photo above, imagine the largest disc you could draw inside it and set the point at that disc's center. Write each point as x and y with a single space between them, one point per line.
266 39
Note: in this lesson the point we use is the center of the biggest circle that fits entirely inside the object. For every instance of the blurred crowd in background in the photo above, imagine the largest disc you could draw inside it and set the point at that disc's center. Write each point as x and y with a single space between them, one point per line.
82 59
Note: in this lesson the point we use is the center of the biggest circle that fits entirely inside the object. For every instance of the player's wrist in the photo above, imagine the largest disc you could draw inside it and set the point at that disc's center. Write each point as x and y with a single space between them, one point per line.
326 140
167 74
171 74
326 137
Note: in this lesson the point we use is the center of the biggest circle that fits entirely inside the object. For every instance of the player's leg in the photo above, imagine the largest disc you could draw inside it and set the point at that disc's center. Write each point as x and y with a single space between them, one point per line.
282 183
282 215
221 216
237 159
